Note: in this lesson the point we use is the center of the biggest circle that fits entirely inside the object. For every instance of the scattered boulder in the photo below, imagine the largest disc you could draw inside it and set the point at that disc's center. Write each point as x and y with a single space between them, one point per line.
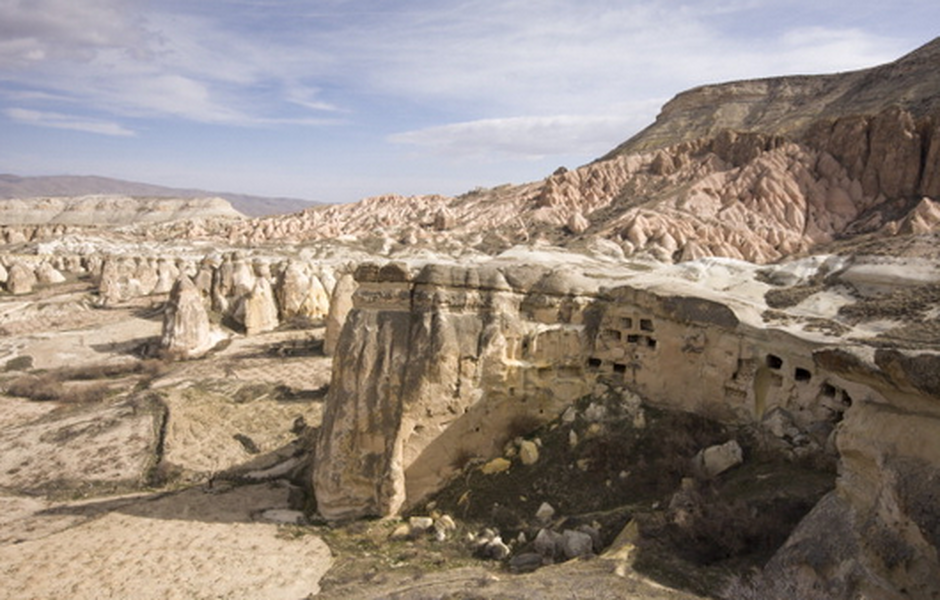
715 460
578 224
443 527
576 544
497 465
545 512
47 274
420 525
525 562
489 545
528 452
549 544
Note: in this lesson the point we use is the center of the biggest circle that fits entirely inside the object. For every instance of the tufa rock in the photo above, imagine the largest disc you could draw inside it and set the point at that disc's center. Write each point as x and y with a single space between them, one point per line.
340 305
259 310
186 330
20 279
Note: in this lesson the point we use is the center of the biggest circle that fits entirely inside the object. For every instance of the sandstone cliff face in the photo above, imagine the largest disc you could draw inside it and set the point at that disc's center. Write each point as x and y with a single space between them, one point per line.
446 361
431 366
877 534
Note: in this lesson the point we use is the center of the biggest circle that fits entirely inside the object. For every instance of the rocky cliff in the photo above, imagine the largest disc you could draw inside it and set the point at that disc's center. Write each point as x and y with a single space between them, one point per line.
756 170
765 254
442 362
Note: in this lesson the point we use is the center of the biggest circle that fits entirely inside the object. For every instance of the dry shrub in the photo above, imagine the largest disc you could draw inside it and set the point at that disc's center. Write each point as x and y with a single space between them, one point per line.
48 387
60 384
149 367
20 363
36 387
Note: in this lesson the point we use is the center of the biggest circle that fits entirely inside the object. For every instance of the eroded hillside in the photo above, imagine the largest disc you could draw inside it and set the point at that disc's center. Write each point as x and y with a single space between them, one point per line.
712 354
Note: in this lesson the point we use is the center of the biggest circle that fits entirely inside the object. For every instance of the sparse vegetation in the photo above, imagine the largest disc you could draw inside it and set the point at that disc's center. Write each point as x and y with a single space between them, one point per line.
908 304
83 384
20 363
48 387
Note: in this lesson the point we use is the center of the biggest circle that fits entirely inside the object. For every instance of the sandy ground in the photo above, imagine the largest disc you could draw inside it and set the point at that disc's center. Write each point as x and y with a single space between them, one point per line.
191 544
63 531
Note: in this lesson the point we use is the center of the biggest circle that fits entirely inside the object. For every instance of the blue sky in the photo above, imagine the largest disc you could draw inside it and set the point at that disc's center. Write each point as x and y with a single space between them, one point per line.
335 100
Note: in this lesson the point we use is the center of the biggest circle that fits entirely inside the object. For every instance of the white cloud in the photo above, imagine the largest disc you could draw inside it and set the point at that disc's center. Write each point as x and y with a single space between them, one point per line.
529 137
62 121
127 57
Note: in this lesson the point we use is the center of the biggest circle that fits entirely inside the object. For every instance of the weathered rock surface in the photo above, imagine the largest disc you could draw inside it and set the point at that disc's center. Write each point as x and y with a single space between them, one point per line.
434 362
340 305
98 210
20 279
186 329
258 311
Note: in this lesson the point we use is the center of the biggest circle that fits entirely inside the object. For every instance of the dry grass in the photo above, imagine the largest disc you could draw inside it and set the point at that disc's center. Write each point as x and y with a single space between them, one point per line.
47 387
79 385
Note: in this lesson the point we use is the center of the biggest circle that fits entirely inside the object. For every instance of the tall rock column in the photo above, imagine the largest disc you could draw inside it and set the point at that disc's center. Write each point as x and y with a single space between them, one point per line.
432 366
186 330
358 470
340 305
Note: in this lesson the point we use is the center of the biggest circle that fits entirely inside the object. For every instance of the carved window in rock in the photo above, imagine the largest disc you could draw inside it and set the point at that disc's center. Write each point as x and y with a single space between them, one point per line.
594 363
774 362
646 325
612 334
801 374
846 399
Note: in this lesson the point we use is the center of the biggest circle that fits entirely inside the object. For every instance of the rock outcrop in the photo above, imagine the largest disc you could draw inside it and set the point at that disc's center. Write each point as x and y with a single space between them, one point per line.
186 329
258 310
99 210
444 361
20 279
340 305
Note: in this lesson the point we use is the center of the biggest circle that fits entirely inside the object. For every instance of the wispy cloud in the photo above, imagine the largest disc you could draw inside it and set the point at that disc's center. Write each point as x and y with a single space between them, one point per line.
61 121
529 137
138 61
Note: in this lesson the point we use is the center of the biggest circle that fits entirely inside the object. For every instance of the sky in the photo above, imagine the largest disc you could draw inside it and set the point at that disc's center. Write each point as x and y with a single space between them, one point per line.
336 100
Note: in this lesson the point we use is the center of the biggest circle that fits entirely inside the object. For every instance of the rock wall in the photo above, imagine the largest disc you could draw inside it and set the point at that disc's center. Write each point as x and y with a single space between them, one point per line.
878 534
449 362
434 365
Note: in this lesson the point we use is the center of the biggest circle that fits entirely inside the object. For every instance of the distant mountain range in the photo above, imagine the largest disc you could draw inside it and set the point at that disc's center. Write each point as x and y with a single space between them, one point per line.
13 186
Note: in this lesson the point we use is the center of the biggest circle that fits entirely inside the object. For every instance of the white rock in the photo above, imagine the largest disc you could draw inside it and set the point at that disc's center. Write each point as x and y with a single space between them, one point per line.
528 452
715 460
545 512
